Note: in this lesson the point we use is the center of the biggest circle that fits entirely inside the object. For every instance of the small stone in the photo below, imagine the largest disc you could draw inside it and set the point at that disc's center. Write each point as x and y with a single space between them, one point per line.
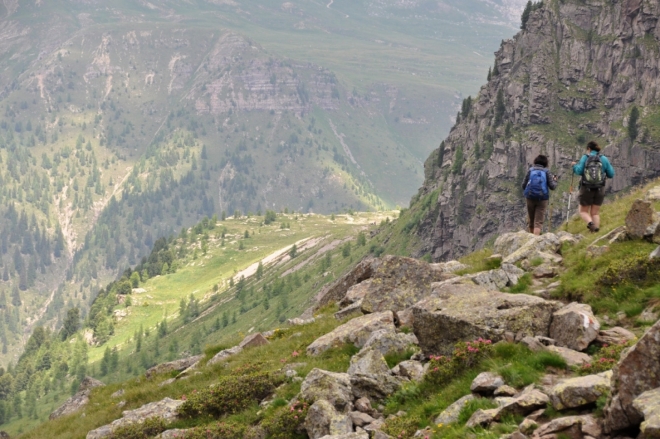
572 358
648 315
544 271
614 336
253 340
486 383
580 391
482 418
640 217
574 326
533 344
364 405
505 391
655 253
527 426
450 414
360 419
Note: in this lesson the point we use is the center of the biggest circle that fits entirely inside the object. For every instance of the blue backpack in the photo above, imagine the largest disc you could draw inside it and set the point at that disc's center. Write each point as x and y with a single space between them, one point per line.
537 186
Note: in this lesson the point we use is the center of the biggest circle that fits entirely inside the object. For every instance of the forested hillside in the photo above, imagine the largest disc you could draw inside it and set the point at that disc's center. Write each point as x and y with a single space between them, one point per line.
121 123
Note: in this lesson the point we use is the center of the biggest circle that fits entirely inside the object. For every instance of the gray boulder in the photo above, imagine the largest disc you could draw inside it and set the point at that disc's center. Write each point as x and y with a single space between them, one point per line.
371 377
356 331
224 354
639 219
411 369
387 342
486 383
516 247
574 326
79 400
450 414
166 409
572 358
648 405
337 290
638 371
614 336
172 366
323 420
570 426
329 386
463 312
580 391
492 280
398 283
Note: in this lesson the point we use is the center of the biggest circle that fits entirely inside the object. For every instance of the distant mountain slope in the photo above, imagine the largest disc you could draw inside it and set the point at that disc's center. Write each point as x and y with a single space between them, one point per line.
124 121
577 72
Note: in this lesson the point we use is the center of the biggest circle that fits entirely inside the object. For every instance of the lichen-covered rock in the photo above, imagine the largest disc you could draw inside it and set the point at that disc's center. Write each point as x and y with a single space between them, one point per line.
580 391
323 420
655 253
614 336
360 419
166 409
513 273
482 418
398 283
411 369
492 280
486 383
450 414
330 386
356 293
640 217
506 391
223 354
370 375
570 426
574 326
254 340
388 342
177 365
353 308
79 400
527 402
463 312
337 290
355 435
527 426
638 371
356 331
648 404
515 247
572 358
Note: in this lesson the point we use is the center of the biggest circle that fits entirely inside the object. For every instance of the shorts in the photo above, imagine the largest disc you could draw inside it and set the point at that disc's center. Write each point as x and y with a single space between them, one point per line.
591 197
536 213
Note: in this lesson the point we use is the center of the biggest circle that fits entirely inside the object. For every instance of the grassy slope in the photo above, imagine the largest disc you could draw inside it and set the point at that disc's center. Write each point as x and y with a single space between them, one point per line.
422 402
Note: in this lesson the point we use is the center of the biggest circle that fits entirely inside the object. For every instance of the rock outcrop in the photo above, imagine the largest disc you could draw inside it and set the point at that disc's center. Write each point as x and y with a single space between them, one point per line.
356 331
165 409
79 400
542 77
574 326
172 366
463 312
638 371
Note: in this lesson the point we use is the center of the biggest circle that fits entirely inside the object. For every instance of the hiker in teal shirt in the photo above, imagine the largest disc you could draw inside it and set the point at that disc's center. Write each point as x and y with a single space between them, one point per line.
594 169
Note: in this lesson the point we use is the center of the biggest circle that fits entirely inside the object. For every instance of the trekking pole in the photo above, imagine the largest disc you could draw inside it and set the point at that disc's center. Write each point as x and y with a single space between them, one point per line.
570 193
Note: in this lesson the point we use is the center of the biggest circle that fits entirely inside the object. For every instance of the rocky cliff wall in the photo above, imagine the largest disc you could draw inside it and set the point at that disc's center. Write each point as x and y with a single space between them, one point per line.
572 75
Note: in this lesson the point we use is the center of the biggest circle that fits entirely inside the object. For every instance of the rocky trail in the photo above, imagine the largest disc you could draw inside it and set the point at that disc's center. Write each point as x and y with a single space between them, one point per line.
395 305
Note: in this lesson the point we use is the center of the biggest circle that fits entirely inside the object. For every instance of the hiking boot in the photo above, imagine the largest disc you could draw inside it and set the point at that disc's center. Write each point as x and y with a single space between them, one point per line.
592 228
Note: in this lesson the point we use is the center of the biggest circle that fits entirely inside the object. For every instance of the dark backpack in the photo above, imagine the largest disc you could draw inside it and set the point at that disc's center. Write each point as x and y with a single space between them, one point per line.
537 186
593 176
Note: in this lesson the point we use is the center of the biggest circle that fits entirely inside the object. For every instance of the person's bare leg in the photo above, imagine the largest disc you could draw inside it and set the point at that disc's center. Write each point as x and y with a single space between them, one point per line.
537 231
595 216
585 214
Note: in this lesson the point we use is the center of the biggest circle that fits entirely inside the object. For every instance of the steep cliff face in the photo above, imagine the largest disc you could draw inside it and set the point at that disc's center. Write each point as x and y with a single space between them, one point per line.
573 74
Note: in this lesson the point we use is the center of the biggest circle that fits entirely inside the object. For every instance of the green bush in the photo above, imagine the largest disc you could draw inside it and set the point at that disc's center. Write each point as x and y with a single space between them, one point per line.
286 422
220 430
402 427
231 395
466 355
639 270
148 429
605 359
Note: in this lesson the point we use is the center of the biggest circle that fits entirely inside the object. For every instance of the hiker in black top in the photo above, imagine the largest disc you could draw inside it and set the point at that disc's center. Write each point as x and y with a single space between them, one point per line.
535 188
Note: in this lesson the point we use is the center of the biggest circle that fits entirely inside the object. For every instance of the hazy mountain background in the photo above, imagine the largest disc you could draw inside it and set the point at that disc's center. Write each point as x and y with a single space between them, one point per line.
124 121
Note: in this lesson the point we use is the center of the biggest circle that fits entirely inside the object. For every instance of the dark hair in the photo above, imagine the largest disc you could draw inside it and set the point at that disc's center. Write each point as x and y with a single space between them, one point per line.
593 146
541 160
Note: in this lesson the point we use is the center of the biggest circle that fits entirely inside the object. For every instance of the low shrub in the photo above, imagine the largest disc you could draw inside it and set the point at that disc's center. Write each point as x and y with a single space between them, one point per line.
220 430
402 427
466 355
603 360
231 395
148 429
638 270
286 422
